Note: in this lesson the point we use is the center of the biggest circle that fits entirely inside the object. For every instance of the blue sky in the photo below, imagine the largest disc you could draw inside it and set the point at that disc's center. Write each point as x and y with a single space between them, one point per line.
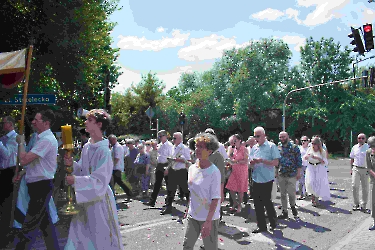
170 37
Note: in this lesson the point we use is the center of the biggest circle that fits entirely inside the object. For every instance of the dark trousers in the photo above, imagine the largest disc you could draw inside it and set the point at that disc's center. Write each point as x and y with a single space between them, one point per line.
6 196
159 176
226 191
116 179
262 199
38 217
177 177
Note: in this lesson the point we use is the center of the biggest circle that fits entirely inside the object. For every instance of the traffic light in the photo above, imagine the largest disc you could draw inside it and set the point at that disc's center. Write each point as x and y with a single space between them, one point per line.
181 119
357 41
368 36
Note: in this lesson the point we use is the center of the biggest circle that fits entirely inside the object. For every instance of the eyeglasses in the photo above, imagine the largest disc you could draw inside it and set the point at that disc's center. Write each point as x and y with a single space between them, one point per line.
361 138
174 138
256 136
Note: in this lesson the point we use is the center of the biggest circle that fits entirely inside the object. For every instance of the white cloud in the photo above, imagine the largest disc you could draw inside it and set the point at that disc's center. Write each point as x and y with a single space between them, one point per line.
141 44
325 10
160 29
170 77
368 15
293 14
209 47
295 40
268 14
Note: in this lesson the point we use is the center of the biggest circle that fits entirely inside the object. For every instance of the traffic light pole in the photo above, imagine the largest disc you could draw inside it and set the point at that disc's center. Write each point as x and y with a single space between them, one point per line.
310 87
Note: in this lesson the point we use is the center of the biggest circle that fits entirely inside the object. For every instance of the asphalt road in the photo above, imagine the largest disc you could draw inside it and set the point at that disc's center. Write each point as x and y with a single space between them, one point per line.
315 228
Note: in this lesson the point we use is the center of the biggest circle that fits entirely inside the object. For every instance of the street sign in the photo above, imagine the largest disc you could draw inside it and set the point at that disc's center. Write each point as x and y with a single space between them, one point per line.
150 113
30 100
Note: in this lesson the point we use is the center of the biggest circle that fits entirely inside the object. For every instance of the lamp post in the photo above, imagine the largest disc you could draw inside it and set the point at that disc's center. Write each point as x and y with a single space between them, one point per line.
310 87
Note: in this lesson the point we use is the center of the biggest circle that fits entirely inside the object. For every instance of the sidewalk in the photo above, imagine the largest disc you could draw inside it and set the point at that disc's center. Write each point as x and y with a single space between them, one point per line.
359 238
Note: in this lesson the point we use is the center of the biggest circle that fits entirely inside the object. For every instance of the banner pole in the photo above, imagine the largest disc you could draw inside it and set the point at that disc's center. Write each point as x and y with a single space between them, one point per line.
25 90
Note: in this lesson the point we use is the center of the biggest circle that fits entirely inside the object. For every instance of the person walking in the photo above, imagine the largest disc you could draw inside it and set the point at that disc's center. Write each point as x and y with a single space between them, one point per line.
288 172
165 150
303 149
370 165
265 156
203 209
96 226
359 172
41 161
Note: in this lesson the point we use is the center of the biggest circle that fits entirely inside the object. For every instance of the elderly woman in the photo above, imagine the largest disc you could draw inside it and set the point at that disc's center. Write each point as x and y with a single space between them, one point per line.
203 210
370 164
316 173
142 163
239 178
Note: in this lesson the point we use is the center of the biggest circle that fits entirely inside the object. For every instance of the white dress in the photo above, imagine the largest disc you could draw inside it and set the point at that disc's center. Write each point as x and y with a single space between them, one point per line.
316 179
96 225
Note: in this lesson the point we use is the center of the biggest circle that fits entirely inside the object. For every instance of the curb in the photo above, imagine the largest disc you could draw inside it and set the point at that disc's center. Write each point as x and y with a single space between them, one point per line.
361 229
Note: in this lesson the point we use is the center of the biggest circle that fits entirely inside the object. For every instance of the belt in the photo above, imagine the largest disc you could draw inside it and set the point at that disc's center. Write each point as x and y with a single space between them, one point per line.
358 166
315 164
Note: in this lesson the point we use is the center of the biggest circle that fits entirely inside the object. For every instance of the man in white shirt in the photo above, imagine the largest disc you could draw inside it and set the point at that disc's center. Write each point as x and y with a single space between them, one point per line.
165 150
8 161
359 172
41 161
177 174
117 152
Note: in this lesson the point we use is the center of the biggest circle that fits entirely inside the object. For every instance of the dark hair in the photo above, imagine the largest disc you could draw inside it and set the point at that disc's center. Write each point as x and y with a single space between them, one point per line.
48 115
238 136
210 140
101 116
191 143
83 132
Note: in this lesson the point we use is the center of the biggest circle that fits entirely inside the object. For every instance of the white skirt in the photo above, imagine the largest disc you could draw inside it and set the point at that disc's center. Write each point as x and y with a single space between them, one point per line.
316 181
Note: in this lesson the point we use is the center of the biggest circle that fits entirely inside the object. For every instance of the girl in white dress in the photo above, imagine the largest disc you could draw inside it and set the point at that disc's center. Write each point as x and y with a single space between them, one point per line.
316 174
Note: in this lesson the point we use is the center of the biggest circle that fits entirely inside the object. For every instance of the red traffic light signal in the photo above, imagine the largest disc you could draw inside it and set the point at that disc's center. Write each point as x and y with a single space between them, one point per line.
368 36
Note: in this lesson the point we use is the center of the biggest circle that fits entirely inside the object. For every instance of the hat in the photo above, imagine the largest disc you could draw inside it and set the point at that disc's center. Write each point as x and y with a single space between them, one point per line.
210 131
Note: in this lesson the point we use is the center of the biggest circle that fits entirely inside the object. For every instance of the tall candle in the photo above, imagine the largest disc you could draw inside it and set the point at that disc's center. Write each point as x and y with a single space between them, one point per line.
67 136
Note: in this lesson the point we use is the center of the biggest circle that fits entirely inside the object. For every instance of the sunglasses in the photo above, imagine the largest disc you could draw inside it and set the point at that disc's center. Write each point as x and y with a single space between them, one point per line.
174 138
304 140
361 138
256 136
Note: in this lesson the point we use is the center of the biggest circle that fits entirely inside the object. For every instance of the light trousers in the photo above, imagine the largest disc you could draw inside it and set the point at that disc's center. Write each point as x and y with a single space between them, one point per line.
373 201
287 187
193 230
360 177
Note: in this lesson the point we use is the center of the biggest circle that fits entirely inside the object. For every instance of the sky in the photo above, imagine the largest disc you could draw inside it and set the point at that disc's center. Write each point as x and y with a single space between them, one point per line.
169 37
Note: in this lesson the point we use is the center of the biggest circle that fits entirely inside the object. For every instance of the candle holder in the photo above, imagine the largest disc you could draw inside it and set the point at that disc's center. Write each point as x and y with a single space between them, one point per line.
69 208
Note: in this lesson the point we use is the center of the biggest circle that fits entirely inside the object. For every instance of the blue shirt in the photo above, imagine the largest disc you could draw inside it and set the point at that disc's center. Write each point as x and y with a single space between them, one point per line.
290 160
263 173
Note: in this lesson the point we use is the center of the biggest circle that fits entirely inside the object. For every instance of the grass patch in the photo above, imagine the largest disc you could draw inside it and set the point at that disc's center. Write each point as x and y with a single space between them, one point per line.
118 189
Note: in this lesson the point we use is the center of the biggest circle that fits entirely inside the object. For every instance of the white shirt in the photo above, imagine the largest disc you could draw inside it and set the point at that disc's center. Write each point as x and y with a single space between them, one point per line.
303 152
222 151
164 150
182 152
117 152
126 150
358 153
8 152
43 167
204 186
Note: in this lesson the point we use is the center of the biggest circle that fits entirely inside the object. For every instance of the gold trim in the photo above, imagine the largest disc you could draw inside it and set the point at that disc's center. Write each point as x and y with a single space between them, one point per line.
113 220
12 70
68 146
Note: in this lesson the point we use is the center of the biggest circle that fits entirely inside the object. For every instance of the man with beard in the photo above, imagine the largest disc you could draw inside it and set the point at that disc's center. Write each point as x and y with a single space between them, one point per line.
288 172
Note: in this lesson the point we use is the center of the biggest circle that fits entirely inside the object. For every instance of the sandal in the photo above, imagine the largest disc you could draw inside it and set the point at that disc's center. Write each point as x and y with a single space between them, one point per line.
239 208
235 204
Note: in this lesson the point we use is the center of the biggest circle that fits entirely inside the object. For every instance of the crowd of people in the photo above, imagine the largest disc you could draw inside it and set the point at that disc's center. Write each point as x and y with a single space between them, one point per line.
203 171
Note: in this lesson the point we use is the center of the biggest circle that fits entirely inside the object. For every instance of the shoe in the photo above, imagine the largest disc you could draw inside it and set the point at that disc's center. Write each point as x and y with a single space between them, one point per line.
356 208
372 228
294 211
301 198
258 230
167 210
150 203
273 224
283 216
279 206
